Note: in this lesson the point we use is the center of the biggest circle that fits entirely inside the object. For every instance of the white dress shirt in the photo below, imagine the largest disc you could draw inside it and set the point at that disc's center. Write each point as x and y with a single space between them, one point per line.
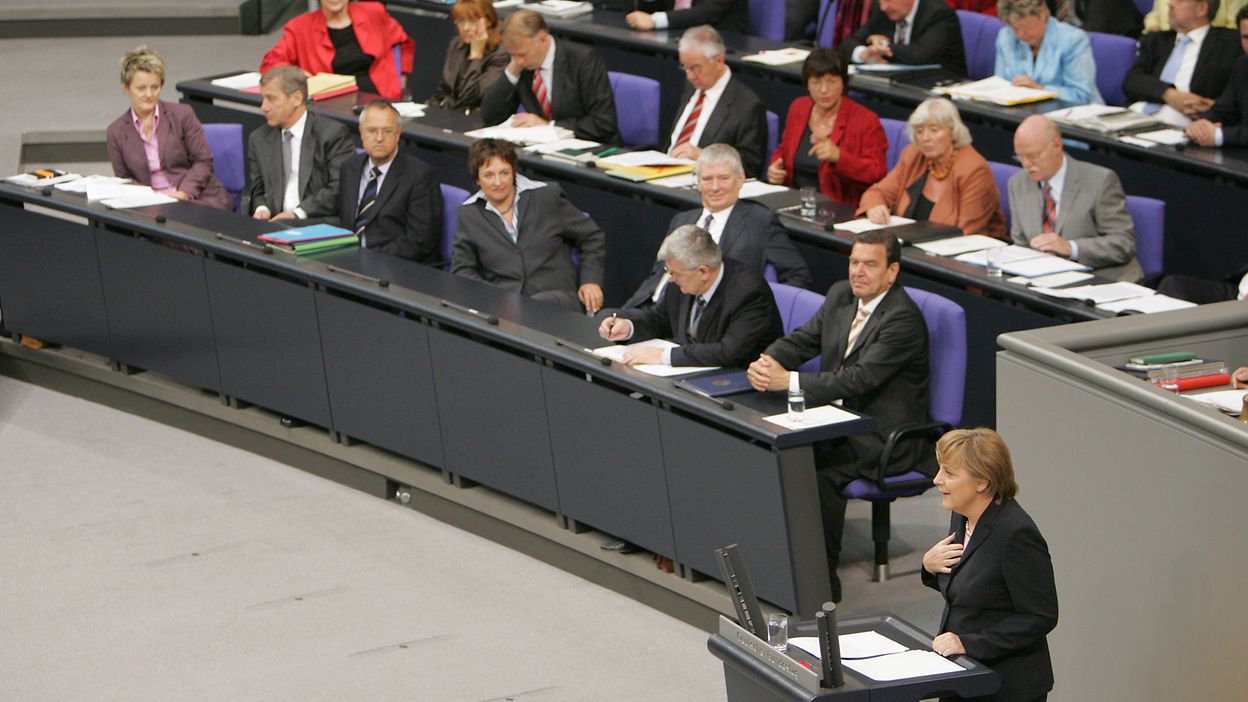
713 94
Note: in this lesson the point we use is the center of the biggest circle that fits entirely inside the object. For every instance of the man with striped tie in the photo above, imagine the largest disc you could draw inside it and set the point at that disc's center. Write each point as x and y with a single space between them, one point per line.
391 199
717 108
561 83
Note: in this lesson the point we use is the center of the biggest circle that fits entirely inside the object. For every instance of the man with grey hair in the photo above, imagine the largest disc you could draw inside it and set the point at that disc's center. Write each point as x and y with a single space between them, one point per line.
716 107
718 311
728 15
561 83
745 231
293 161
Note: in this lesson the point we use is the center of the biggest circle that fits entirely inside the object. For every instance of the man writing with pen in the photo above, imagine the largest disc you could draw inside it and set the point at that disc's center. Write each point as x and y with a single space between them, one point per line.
719 312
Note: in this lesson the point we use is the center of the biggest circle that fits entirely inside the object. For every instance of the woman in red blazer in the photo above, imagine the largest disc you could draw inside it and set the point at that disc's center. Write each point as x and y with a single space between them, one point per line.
829 141
350 38
161 144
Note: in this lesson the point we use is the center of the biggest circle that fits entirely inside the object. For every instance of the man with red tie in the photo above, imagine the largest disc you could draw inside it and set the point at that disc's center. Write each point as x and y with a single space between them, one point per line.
716 107
564 84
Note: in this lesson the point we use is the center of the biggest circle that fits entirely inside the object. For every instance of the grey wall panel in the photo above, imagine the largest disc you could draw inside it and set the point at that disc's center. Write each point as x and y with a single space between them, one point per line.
494 425
380 378
609 461
268 344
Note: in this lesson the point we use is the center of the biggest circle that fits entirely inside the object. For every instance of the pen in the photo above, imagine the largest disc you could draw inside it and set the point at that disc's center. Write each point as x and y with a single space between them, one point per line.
606 152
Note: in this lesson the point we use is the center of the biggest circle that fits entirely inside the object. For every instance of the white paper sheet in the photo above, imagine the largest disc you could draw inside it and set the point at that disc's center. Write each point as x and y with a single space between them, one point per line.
1081 112
858 226
682 180
543 134
812 417
755 188
1153 303
957 245
900 666
1056 280
1042 265
410 110
615 352
1230 401
778 57
242 81
1100 293
105 190
646 158
997 90
29 181
865 644
81 184
561 145
1011 254
1168 136
138 200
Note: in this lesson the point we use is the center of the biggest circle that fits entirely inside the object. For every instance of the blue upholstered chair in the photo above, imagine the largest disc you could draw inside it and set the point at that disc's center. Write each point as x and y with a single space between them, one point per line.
946 334
767 19
1144 6
898 133
825 27
452 198
1114 56
979 36
636 108
1150 229
797 306
773 138
226 143
1001 173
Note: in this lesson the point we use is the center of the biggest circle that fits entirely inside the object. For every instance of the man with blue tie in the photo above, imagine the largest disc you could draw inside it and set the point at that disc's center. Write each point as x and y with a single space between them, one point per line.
1179 73
391 199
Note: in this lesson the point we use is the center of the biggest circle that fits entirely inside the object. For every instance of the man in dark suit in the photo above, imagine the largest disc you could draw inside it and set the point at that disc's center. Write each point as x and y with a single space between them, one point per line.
726 15
717 108
1120 17
745 231
873 342
1226 123
1179 73
719 312
391 199
1088 221
913 32
519 234
564 84
294 161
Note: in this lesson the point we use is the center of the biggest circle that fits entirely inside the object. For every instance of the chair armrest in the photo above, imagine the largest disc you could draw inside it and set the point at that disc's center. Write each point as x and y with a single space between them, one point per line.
934 428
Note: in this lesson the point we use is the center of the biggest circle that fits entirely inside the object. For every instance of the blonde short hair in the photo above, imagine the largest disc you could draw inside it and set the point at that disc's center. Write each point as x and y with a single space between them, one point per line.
141 59
942 111
982 453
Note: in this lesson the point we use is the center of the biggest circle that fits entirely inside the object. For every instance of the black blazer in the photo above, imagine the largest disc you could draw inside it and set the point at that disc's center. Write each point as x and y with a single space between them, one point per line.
885 375
1231 109
753 236
736 325
1109 17
1213 65
739 120
582 97
464 81
539 263
407 217
1001 599
935 38
724 15
326 145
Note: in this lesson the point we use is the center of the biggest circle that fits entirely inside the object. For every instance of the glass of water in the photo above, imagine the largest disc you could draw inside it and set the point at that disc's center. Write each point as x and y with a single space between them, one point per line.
810 203
797 404
778 631
993 258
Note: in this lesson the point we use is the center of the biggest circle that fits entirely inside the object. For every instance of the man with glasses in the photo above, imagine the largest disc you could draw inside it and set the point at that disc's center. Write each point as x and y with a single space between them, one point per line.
719 312
717 108
1069 208
390 199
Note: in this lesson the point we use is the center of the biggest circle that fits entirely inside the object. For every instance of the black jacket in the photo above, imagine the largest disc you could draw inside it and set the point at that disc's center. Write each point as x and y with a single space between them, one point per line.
1213 65
739 120
407 214
935 38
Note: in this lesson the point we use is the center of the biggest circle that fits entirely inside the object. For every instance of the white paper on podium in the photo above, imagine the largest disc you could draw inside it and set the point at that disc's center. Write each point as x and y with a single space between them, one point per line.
1229 401
1056 280
1099 294
616 353
958 245
1012 253
858 226
865 644
755 188
1042 265
812 417
900 666
1146 305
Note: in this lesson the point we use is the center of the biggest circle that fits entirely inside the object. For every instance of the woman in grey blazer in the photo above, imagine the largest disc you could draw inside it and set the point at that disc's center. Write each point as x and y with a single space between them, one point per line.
474 59
161 144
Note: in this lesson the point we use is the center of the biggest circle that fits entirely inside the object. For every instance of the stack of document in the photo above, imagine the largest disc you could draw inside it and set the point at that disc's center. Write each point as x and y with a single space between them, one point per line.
1026 262
997 90
313 237
778 57
644 165
616 353
560 9
1106 119
41 177
410 110
880 658
544 134
957 245
1168 136
1119 297
326 85
575 150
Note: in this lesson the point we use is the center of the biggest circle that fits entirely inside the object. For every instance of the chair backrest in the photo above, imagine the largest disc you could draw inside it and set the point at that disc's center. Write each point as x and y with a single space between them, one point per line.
946 354
398 63
898 133
452 198
979 36
767 19
773 138
825 28
226 143
1144 6
1113 56
1001 173
797 306
770 274
636 108
1149 216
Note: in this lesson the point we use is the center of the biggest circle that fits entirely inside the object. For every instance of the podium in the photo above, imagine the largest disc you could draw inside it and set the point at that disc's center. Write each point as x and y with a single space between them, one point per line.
755 672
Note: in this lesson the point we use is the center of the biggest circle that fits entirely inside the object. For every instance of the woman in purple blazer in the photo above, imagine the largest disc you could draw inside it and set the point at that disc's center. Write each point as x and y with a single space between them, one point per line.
161 144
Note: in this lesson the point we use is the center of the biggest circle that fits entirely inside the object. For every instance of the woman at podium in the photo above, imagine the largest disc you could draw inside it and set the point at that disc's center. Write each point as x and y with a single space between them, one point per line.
993 569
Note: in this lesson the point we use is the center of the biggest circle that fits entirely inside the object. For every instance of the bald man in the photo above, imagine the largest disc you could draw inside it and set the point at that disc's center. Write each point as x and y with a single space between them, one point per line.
1069 208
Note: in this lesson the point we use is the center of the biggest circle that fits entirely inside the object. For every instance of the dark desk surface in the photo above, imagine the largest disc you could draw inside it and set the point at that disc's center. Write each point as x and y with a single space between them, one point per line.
534 327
